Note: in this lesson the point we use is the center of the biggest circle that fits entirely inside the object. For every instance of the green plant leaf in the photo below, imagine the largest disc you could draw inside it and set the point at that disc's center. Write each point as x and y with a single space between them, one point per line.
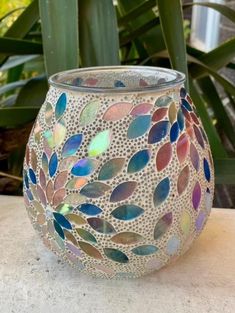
10 13
217 148
17 116
211 96
216 58
221 8
171 18
33 92
10 46
12 86
60 34
17 60
225 171
137 11
98 33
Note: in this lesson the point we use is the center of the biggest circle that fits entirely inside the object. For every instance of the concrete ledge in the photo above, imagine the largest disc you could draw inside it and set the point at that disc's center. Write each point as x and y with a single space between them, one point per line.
32 279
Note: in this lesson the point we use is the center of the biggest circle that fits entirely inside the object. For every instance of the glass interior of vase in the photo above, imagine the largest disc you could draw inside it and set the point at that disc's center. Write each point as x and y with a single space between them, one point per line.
119 77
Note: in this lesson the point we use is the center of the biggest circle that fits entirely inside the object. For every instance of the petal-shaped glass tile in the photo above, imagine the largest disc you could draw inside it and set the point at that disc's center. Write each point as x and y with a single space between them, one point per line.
86 235
33 160
91 81
163 225
90 250
59 133
67 163
27 154
58 196
142 83
75 219
172 112
44 162
158 131
41 195
194 155
183 92
53 164
100 143
159 114
42 178
194 118
74 249
26 179
111 168
180 119
207 171
154 264
70 237
48 113
139 126
119 83
116 255
186 114
104 269
185 222
127 238
123 191
74 198
29 195
182 148
84 167
117 111
89 209
58 229
173 245
161 192
60 106
37 132
38 206
141 108
71 145
145 250
48 136
138 161
187 106
196 196
88 114
198 136
203 134
163 101
49 191
94 189
62 220
183 180
76 183
200 221
60 180
64 208
164 156
174 132
32 176
100 225
127 212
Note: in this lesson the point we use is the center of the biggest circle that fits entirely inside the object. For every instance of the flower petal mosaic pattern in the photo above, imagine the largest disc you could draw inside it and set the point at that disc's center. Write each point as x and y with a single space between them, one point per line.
123 191
100 143
161 192
138 161
117 111
139 126
89 113
111 168
127 212
71 145
158 132
118 184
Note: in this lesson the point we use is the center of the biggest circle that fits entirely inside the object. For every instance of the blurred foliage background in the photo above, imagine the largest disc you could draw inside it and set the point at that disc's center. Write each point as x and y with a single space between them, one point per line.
39 38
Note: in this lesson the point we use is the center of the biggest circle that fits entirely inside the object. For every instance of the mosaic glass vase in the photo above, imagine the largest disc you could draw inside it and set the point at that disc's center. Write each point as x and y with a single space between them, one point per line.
118 173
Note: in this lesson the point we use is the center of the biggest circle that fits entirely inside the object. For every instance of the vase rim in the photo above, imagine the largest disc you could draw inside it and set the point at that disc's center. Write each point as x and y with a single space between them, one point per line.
59 80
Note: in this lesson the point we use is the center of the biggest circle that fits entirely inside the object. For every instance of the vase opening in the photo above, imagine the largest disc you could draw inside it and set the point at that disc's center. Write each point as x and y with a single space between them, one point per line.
117 79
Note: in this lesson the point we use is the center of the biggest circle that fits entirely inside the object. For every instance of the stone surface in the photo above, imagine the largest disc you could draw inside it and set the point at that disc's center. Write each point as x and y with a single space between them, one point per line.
32 279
